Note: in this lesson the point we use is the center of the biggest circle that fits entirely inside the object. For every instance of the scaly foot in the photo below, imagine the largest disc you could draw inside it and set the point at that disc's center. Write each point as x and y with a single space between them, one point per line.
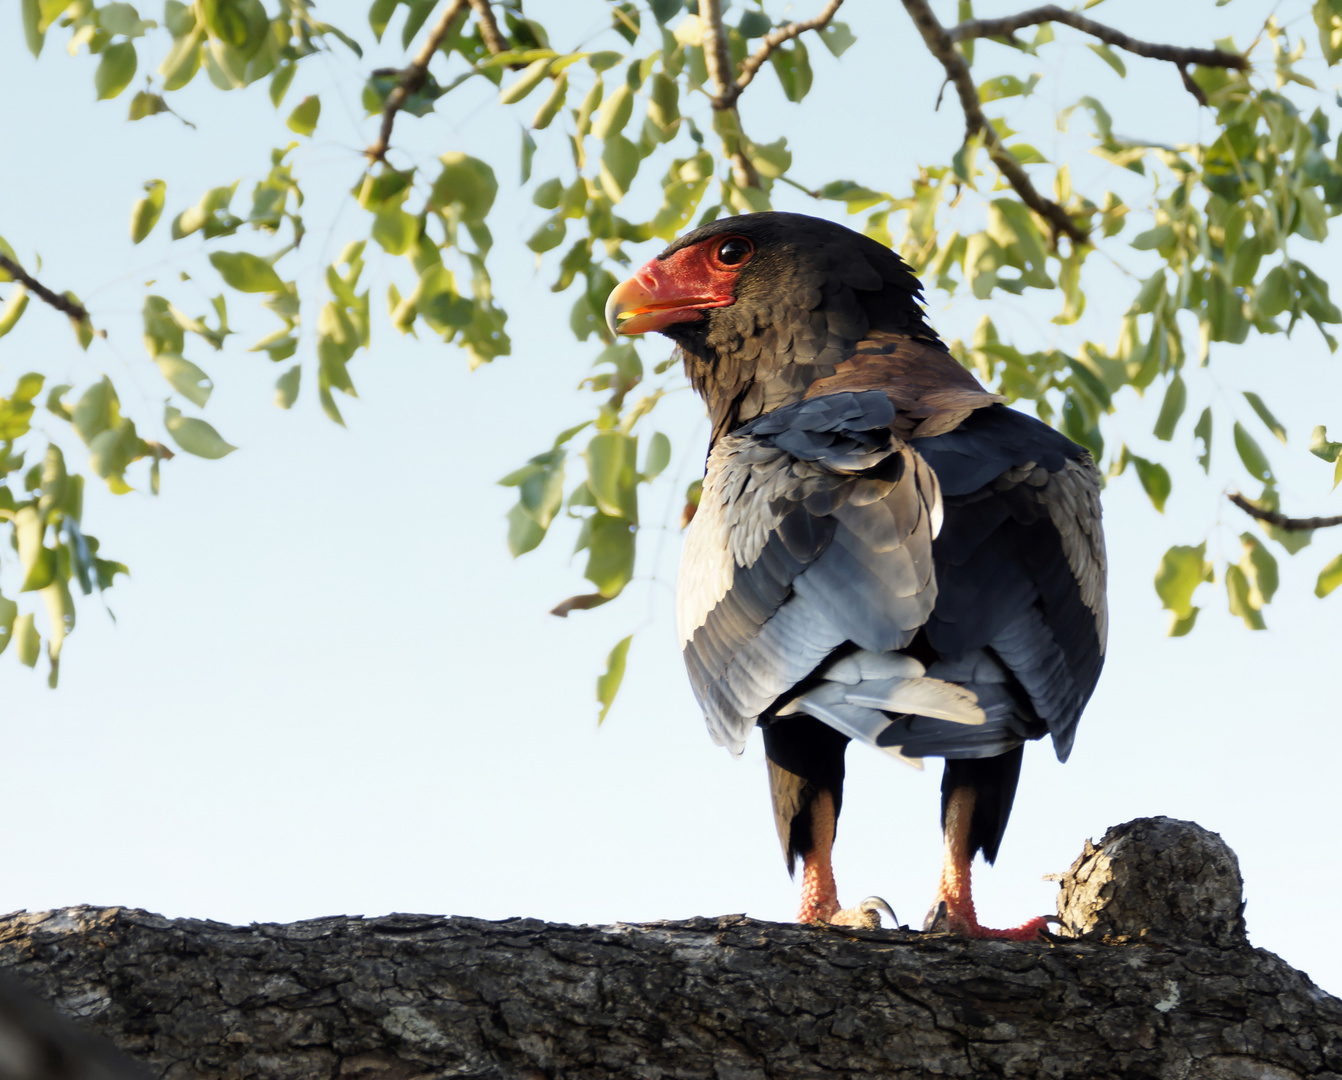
963 923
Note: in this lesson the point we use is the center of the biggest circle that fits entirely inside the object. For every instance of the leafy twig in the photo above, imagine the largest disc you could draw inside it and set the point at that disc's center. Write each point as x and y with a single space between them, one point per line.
718 60
939 43
1281 521
772 41
61 303
412 78
1175 54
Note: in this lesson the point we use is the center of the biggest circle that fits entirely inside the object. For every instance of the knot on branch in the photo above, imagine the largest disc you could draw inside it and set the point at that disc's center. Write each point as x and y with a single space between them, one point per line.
1156 879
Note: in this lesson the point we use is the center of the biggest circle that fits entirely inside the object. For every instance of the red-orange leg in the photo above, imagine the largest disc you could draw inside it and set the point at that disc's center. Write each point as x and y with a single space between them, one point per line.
955 890
819 896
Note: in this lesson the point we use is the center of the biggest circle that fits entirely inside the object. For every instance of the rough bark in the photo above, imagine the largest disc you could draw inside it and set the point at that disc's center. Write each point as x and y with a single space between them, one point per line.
726 998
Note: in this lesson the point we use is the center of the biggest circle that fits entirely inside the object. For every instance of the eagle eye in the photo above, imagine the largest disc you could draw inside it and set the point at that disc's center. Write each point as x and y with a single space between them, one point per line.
734 251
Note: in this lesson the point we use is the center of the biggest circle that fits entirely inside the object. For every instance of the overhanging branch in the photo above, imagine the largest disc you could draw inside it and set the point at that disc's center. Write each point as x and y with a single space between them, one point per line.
412 78
773 40
61 303
718 60
1281 521
1175 54
939 43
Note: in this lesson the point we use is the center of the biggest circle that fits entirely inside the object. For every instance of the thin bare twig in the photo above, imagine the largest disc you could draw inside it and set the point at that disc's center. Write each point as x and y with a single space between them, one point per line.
773 40
412 78
939 43
61 303
1175 54
718 60
1281 521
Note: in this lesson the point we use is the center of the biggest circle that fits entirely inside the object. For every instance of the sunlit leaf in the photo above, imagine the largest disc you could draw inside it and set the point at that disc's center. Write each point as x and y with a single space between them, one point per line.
1251 454
246 272
116 68
608 684
195 436
1330 577
147 211
1265 414
303 119
1182 570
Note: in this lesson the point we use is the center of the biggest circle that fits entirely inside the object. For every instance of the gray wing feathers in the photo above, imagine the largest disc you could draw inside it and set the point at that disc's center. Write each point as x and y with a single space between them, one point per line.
814 529
1073 500
858 693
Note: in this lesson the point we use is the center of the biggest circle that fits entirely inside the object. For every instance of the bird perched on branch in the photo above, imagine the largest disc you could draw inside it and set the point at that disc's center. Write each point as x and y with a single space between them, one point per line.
883 551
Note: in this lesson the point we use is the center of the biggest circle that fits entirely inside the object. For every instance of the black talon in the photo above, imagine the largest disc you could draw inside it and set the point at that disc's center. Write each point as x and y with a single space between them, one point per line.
937 920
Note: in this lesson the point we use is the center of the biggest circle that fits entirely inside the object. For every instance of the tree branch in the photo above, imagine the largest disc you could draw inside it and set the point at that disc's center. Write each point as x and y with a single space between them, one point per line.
61 303
718 60
772 41
941 46
1281 521
494 40
1175 54
412 78
1161 982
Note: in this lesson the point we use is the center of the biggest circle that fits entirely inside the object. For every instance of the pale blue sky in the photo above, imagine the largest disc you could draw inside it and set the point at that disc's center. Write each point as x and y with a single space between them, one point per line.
329 689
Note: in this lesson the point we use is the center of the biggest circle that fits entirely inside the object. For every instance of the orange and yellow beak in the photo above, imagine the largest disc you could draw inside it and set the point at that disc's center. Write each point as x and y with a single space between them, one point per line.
657 297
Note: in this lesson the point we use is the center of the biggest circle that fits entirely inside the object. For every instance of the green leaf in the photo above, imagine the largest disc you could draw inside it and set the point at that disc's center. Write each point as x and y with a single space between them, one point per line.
548 194
15 305
1265 414
525 83
1320 447
145 104
1176 397
37 560
614 113
29 642
9 611
1182 570
148 210
1252 454
195 436
658 457
1203 432
1273 294
279 82
604 60
186 378
395 230
611 473
1155 480
97 410
303 119
619 164
610 554
549 236
286 387
524 533
1105 53
837 38
608 685
1240 596
1330 577
33 32
465 182
246 272
1260 569
115 70
553 103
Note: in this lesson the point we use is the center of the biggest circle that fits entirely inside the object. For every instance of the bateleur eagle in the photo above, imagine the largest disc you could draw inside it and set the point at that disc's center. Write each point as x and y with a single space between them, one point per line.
883 551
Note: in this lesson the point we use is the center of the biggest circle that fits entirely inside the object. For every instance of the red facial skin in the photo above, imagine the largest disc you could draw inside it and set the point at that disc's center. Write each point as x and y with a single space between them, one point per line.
676 289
